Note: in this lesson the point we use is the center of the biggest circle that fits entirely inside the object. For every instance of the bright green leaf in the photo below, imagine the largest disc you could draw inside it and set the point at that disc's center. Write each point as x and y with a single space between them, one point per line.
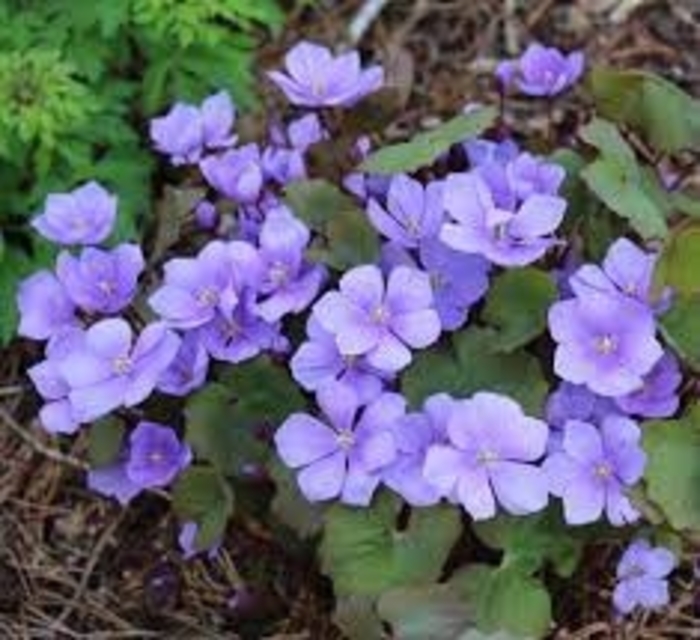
517 306
364 553
606 137
673 468
679 264
426 147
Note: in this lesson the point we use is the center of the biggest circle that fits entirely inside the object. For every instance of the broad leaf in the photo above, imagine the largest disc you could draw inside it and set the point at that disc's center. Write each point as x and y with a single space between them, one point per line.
517 306
202 495
673 468
679 263
290 507
426 147
364 553
105 439
680 327
606 137
472 364
356 616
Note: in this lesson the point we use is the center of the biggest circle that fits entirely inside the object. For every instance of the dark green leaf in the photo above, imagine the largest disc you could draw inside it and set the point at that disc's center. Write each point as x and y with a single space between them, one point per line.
364 553
426 147
673 468
105 441
290 507
202 495
679 264
517 305
474 364
356 617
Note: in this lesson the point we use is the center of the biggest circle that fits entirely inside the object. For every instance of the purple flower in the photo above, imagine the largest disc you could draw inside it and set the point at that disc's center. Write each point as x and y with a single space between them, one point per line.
414 434
112 369
529 175
658 396
605 342
412 213
594 468
186 130
188 370
86 215
283 165
342 456
318 362
506 238
491 445
241 335
542 71
44 307
377 321
627 270
187 541
112 481
101 281
577 402
56 416
315 78
196 290
304 132
481 151
236 174
206 216
642 577
156 455
289 283
458 280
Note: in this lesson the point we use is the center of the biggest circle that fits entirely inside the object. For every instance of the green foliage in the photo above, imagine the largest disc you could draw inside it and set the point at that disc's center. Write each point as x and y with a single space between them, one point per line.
667 116
365 554
679 327
77 81
105 442
673 469
472 363
679 263
345 237
517 305
202 495
426 147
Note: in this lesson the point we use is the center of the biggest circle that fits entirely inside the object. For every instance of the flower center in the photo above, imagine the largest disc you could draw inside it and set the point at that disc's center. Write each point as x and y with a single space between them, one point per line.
207 297
106 287
156 457
630 289
380 315
605 344
345 439
486 456
122 365
603 470
278 273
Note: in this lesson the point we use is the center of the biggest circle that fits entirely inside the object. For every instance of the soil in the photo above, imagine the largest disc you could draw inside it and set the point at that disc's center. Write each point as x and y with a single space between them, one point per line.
75 566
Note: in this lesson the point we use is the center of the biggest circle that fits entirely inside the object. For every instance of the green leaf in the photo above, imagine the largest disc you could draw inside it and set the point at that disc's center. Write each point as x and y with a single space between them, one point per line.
356 617
426 147
606 137
506 600
680 327
264 391
345 236
473 364
678 265
202 495
431 612
619 186
105 439
667 116
364 553
528 542
289 505
517 306
13 267
672 471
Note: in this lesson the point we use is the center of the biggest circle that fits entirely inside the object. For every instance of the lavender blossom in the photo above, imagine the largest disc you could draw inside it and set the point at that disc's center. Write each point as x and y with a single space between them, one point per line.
542 71
488 458
594 468
156 455
315 78
341 456
101 281
112 369
642 577
188 370
380 321
658 395
604 341
506 238
86 215
186 131
236 174
45 309
187 541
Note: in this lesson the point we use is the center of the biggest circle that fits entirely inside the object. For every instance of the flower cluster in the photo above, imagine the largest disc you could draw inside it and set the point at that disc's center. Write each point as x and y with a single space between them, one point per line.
113 343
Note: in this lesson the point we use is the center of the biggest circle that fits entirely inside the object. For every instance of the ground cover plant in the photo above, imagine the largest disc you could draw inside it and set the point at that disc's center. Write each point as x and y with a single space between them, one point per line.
77 80
464 360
